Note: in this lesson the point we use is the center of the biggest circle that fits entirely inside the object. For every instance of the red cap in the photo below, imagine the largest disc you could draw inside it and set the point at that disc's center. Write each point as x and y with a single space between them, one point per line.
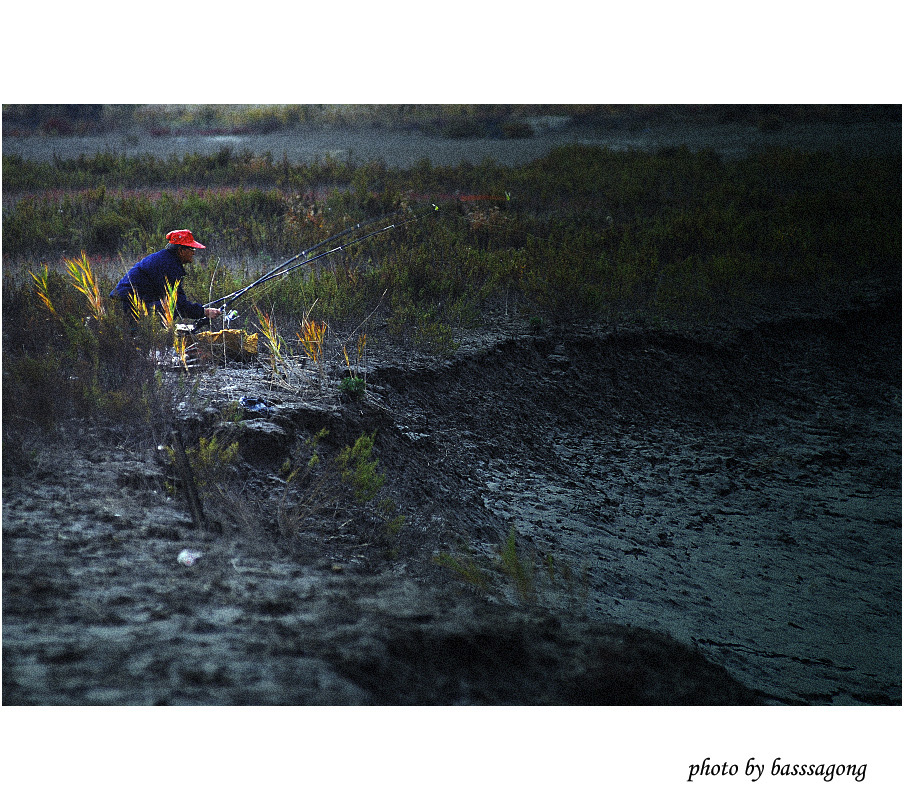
183 238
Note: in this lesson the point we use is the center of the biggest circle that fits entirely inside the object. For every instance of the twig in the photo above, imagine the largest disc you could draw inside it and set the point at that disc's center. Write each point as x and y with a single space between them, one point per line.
188 481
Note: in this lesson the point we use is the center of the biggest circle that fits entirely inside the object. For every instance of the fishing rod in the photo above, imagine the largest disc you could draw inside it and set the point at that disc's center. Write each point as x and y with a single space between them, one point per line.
284 268
275 271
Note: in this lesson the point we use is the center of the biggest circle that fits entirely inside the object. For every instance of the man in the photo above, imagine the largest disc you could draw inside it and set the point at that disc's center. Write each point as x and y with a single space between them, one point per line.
148 278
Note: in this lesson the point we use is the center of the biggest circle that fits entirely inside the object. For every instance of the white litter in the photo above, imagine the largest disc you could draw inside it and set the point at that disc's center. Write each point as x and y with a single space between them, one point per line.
189 557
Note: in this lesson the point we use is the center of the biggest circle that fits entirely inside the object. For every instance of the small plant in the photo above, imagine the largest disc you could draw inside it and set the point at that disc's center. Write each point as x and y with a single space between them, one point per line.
435 336
311 340
181 347
359 468
168 307
345 484
274 342
211 463
520 572
353 387
212 454
465 568
394 521
83 279
41 288
137 307
361 354
232 412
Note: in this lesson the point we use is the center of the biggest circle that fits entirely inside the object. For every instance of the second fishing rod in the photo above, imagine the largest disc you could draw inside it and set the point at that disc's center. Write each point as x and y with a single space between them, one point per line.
305 258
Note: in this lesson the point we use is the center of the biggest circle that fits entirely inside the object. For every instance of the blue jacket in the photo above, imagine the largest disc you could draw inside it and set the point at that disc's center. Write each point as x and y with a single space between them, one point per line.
148 279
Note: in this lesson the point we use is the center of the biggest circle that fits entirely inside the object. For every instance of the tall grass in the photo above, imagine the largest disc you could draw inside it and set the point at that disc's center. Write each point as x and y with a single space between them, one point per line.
583 231
66 355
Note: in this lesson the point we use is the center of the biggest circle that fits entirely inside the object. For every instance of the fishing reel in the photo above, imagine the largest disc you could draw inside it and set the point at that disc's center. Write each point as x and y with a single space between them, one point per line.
204 324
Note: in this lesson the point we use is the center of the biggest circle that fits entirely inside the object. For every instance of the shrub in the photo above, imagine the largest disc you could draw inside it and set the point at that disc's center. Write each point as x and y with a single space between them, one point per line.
353 387
67 356
348 482
358 467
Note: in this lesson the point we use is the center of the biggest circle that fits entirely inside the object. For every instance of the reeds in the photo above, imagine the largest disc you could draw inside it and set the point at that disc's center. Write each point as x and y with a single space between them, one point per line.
83 279
168 306
81 363
41 282
311 340
137 307
275 343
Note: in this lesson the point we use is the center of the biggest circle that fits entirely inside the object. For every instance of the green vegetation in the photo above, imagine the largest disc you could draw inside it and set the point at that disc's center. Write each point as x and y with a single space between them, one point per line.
67 355
519 571
582 232
516 574
211 462
465 567
353 387
439 120
341 485
322 489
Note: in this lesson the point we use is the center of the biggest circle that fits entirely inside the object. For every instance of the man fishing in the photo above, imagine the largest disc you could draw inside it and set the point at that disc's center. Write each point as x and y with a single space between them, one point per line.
148 278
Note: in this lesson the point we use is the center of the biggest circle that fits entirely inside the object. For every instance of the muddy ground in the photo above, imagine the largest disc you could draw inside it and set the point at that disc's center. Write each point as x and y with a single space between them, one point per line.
706 516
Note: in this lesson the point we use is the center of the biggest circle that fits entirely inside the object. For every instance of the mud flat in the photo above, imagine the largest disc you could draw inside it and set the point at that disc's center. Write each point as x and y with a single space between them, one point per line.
710 516
740 492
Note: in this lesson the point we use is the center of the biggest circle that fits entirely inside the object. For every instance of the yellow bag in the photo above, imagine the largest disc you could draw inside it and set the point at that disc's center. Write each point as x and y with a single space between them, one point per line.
239 345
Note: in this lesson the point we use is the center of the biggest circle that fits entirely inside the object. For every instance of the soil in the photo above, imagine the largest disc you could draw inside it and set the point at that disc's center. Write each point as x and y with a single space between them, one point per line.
706 516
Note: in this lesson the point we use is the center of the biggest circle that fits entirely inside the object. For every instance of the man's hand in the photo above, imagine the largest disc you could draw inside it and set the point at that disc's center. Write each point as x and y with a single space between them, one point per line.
212 312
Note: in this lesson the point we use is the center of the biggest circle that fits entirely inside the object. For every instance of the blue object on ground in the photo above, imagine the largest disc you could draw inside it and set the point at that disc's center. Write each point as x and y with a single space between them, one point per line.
256 405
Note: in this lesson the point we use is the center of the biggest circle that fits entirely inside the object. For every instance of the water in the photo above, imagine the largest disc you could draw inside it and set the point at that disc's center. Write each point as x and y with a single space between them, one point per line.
406 149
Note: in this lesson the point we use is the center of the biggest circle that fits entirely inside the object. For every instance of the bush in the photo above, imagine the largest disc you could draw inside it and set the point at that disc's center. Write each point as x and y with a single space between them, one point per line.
66 355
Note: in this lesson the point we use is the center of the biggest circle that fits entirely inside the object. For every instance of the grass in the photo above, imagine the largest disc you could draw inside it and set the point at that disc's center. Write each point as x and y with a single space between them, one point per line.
341 485
581 233
66 356
275 343
520 572
516 574
465 568
584 231
322 489
453 120
438 120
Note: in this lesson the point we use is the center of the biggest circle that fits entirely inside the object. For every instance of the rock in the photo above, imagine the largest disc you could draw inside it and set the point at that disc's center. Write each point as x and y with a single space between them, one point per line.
261 440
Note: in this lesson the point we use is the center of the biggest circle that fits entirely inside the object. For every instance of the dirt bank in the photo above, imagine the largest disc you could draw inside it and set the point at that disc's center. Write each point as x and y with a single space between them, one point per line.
708 516
98 611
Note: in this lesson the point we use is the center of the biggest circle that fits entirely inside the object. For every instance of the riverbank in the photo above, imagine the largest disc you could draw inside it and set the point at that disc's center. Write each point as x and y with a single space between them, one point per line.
706 517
